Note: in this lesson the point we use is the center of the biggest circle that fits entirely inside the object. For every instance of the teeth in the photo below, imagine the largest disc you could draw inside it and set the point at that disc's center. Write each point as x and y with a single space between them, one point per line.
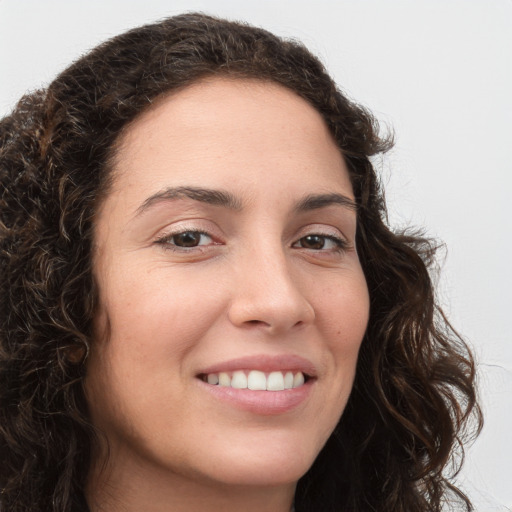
213 378
288 380
257 380
275 381
224 379
298 380
239 380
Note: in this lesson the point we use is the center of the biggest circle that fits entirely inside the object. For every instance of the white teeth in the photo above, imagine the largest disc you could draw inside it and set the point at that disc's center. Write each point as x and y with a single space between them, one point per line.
298 380
288 380
275 381
239 380
213 378
224 379
257 380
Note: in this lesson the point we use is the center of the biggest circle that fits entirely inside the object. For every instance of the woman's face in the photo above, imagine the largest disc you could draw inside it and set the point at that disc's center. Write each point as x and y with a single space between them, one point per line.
226 252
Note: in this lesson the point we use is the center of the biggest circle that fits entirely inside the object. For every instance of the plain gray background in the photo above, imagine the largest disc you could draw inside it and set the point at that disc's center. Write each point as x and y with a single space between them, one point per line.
438 72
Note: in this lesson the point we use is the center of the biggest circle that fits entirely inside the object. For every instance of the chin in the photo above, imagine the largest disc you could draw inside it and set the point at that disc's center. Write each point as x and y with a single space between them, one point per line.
262 475
264 464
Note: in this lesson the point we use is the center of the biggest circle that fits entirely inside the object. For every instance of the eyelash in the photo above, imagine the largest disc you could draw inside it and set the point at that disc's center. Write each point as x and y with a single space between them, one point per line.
340 244
166 240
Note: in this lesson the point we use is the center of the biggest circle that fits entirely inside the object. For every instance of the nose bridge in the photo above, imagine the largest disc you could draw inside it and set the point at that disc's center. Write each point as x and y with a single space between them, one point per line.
265 292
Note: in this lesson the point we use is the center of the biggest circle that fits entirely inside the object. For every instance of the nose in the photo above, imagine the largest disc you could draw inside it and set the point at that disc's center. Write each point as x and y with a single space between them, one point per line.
267 296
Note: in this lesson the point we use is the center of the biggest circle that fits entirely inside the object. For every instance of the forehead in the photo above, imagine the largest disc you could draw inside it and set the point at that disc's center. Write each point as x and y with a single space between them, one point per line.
223 131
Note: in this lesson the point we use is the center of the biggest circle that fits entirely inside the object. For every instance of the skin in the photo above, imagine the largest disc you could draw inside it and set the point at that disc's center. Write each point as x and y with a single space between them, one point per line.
253 286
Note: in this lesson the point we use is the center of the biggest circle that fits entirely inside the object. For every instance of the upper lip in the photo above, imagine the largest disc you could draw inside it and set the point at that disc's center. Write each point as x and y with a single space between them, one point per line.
264 363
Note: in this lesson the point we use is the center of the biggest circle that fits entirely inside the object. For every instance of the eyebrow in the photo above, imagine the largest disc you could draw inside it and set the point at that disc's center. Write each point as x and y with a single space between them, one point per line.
228 200
317 201
203 195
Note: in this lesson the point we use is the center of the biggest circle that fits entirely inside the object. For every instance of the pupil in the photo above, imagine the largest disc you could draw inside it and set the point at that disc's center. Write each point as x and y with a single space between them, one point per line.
187 239
313 242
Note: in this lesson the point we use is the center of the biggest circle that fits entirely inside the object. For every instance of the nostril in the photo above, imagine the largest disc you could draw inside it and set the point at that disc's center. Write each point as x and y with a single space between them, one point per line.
256 323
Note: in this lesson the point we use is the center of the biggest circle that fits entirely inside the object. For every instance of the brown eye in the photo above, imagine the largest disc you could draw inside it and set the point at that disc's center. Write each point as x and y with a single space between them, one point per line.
315 242
318 242
188 239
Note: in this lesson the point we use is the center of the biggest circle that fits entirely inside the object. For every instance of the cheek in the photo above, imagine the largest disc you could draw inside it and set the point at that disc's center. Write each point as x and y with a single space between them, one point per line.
147 328
342 316
161 307
344 311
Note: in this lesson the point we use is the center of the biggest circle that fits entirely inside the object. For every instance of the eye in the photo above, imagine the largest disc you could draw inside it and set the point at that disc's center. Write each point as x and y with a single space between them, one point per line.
318 242
186 239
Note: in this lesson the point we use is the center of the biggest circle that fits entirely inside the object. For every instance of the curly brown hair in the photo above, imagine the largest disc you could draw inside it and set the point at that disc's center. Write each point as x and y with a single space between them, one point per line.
414 393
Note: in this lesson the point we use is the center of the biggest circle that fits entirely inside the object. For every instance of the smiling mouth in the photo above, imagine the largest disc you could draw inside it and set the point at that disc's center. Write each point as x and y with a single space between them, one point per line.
257 380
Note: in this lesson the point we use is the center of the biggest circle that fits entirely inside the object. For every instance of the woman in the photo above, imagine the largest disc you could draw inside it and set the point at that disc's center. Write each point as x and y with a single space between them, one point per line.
203 306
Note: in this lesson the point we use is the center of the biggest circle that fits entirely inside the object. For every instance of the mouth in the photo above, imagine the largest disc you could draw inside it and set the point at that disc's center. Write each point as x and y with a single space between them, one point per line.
260 384
257 380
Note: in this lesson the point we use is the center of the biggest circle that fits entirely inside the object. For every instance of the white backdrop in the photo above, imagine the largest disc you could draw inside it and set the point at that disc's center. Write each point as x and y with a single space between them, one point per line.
438 72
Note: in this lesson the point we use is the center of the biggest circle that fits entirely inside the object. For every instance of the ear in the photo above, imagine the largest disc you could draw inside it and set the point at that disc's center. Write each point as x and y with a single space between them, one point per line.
74 354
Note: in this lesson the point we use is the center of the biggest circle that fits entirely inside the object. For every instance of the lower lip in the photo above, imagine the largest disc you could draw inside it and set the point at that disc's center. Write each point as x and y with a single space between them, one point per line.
261 402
